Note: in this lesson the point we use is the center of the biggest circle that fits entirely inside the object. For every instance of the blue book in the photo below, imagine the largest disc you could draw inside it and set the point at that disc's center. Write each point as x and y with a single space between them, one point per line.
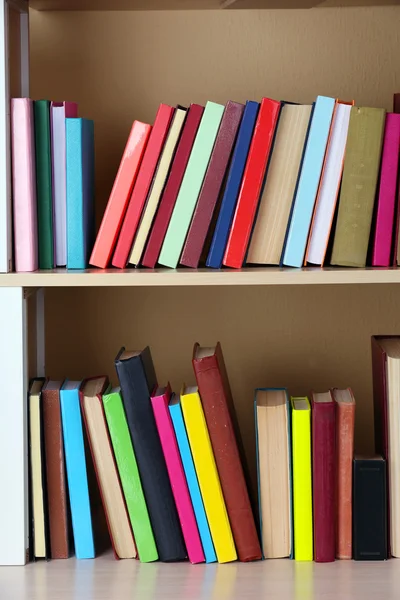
306 192
75 461
229 200
191 478
80 192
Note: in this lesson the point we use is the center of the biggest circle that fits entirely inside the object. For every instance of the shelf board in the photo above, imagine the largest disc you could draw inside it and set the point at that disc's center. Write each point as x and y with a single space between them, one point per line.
198 4
199 277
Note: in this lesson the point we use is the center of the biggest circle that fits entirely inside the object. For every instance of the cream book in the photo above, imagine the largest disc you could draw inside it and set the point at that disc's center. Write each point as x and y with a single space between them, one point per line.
160 179
268 238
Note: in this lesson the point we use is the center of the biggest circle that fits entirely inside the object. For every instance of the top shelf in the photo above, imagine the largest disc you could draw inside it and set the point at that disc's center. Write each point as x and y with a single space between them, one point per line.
101 5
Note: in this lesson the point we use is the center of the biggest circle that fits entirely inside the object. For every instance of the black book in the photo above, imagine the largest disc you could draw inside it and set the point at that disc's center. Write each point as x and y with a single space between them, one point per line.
369 509
138 380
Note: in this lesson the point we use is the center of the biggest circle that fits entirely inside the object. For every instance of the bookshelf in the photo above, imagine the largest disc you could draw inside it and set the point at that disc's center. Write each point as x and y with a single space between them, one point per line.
298 328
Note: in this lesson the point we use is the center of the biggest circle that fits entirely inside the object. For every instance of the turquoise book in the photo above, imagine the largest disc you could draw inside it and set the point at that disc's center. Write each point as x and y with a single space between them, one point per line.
75 460
307 187
191 478
191 185
80 192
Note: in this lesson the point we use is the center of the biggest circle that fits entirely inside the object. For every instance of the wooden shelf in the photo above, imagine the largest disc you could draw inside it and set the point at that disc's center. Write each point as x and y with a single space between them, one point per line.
101 5
200 277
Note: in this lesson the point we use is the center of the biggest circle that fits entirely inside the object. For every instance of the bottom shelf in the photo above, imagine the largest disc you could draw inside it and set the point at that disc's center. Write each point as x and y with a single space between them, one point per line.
106 578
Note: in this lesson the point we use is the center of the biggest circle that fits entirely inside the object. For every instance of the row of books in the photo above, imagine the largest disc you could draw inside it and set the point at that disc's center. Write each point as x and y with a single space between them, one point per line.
273 183
52 184
162 472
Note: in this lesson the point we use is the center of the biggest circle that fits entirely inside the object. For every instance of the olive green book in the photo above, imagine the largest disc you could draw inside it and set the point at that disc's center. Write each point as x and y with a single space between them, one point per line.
129 475
360 178
44 184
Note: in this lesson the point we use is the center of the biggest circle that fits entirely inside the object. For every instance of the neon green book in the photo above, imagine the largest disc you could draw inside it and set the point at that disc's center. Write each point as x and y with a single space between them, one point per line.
191 185
129 475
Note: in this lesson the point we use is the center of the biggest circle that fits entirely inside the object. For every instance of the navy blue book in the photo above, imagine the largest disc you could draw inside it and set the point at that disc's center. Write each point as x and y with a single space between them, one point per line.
228 204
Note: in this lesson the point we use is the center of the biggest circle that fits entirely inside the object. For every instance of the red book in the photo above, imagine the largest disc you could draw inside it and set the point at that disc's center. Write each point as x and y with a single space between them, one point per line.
253 178
142 186
120 194
172 187
324 476
219 411
212 185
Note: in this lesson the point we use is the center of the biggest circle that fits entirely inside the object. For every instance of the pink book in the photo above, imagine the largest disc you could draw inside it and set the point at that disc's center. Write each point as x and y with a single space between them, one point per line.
160 401
24 185
383 234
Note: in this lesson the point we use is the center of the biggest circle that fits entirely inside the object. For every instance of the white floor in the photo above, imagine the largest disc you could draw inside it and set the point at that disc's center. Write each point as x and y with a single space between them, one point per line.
108 579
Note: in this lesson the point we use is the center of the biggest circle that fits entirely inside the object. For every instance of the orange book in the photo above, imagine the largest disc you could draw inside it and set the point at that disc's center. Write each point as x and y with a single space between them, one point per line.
120 194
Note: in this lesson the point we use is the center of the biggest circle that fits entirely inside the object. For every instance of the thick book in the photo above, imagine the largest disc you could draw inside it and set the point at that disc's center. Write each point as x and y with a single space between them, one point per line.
324 475
302 479
137 378
44 185
345 418
24 185
357 195
142 186
385 212
87 515
119 528
57 490
129 475
232 187
386 373
38 471
331 178
307 188
157 187
207 475
219 411
160 401
191 185
175 410
252 182
212 185
268 237
80 192
59 111
172 187
274 471
121 191
370 505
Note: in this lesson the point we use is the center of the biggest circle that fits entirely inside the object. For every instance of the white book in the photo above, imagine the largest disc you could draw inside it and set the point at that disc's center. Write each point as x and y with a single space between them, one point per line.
329 186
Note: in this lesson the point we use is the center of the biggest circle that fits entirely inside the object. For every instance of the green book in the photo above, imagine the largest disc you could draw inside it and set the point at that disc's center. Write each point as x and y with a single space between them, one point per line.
191 185
44 184
129 475
358 191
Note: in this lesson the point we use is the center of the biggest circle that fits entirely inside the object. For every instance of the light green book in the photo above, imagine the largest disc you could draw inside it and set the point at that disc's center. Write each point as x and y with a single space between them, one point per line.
191 185
129 475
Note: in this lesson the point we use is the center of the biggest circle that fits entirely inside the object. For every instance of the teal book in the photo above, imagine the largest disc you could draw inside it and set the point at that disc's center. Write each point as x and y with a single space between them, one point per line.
80 192
191 185
307 186
44 184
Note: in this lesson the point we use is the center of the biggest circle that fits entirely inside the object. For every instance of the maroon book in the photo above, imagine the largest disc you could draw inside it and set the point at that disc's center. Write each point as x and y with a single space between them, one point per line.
324 476
212 185
172 186
217 401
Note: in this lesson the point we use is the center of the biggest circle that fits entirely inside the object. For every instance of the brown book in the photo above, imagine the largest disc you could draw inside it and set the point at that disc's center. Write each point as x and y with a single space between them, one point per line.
345 416
55 470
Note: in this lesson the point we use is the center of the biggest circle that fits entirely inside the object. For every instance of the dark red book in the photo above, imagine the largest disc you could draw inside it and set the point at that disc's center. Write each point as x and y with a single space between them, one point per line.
219 411
324 476
252 182
212 185
172 187
142 185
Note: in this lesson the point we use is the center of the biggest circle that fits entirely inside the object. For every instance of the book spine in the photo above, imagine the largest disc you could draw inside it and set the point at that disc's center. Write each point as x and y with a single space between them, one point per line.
345 416
302 485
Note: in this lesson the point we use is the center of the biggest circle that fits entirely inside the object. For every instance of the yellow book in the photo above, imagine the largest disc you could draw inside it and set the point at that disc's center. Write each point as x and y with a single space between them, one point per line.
207 475
302 482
